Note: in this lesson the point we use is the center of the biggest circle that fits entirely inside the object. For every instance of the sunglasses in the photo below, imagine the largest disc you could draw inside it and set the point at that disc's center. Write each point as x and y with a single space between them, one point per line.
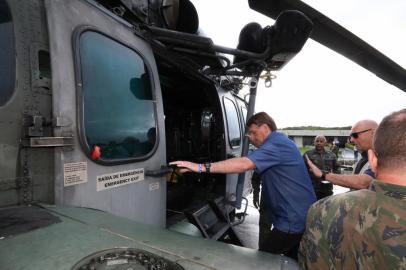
355 135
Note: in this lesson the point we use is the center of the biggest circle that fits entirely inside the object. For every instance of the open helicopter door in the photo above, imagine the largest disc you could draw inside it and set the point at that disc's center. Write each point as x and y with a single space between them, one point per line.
106 95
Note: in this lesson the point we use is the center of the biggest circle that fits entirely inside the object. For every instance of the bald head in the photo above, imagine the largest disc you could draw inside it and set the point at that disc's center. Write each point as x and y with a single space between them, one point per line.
362 134
365 124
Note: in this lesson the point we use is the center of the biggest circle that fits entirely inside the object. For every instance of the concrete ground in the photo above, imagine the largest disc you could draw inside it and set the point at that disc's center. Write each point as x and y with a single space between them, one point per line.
248 230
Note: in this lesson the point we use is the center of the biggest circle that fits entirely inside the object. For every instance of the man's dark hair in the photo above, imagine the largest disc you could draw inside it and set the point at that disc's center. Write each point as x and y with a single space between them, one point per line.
262 118
390 141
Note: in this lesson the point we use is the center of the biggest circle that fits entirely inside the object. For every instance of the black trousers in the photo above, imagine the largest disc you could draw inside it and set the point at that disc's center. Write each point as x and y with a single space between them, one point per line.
265 224
279 242
320 194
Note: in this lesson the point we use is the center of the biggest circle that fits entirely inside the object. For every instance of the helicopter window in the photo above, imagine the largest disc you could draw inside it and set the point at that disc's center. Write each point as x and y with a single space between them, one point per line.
233 125
7 64
244 114
119 113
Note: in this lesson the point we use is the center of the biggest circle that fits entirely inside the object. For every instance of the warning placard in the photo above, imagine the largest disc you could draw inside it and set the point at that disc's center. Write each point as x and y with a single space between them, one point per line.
107 181
74 173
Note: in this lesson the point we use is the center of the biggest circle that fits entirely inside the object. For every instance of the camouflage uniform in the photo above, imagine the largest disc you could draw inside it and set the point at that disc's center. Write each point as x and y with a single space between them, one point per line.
326 161
363 229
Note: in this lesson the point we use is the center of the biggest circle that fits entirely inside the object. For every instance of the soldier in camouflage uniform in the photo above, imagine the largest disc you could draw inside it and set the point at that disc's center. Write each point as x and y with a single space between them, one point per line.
326 161
364 229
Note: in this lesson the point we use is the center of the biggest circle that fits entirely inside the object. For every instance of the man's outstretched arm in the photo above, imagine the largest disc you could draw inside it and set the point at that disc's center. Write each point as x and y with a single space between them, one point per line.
354 181
233 165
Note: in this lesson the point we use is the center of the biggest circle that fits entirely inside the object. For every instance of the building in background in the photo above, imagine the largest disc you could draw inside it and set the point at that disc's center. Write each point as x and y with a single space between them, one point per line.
305 137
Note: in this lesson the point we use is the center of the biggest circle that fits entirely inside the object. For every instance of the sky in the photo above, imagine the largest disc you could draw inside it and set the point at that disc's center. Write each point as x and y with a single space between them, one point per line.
320 87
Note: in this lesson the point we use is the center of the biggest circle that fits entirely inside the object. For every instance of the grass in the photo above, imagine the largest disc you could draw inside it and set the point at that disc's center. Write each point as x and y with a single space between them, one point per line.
304 149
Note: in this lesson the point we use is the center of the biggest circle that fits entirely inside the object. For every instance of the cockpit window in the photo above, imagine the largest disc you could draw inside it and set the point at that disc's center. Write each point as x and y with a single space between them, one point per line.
119 113
233 125
7 54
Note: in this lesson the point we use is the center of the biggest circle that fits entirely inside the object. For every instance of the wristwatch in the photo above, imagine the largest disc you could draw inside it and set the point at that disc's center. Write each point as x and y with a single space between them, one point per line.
207 166
323 175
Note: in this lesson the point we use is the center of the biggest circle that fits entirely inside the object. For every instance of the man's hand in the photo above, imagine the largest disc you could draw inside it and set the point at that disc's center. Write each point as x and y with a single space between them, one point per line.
185 166
313 168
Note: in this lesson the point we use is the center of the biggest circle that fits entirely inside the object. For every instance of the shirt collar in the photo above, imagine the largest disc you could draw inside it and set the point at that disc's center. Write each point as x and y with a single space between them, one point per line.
394 191
271 135
321 152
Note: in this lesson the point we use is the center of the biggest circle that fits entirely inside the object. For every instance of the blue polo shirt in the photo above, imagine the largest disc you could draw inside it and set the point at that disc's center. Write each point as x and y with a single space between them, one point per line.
285 181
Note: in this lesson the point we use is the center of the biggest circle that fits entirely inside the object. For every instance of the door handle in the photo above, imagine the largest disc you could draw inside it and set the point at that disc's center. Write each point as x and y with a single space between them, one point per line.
160 172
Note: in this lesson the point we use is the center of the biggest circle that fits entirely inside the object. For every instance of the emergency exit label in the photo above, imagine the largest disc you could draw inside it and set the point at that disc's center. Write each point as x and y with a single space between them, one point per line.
107 181
74 173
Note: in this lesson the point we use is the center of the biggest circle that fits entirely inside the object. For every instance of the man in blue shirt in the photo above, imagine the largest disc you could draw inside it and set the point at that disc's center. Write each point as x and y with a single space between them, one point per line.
287 186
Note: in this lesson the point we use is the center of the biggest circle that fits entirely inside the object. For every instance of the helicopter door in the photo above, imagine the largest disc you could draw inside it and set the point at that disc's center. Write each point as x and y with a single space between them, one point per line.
233 142
106 95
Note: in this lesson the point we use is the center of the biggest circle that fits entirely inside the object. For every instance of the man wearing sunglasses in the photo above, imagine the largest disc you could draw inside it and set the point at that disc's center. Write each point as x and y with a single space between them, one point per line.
361 135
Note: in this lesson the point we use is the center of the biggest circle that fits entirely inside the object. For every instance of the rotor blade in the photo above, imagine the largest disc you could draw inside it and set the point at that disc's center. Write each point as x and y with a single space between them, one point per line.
332 35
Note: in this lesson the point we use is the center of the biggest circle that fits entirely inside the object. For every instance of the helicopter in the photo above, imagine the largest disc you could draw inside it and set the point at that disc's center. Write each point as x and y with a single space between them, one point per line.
97 97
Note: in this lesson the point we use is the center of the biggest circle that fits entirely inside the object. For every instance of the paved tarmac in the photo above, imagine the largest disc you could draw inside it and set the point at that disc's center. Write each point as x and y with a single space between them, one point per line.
248 230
